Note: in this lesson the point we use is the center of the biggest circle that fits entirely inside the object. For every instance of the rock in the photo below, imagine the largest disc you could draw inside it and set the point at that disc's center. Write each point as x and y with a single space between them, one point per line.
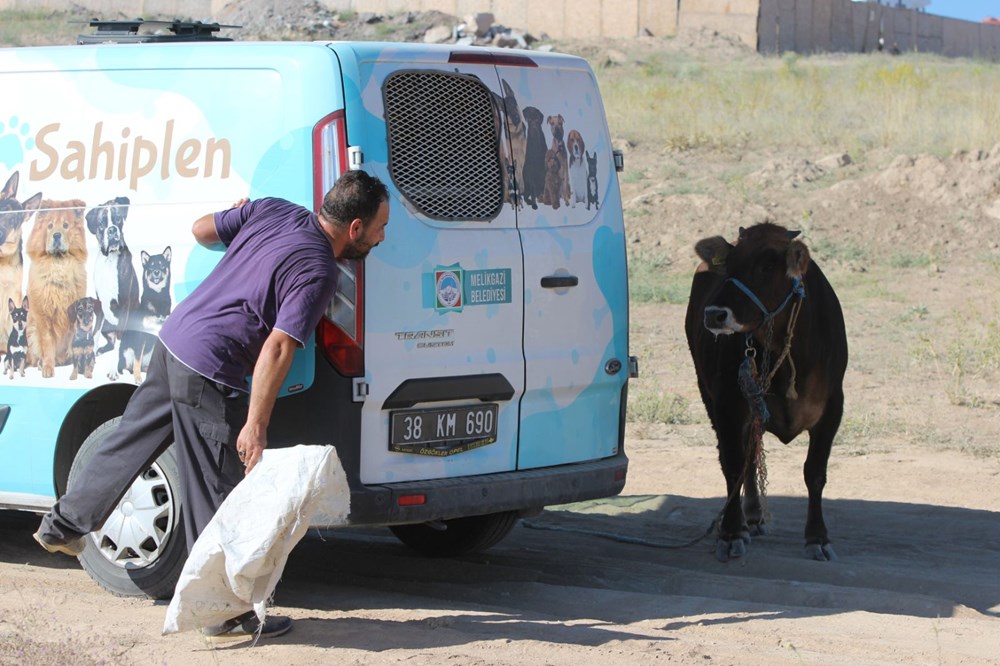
835 161
482 22
615 57
438 35
511 40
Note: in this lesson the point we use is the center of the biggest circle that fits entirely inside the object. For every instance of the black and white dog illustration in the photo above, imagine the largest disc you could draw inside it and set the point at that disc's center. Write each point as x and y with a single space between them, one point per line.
144 322
591 180
114 280
86 317
17 341
533 180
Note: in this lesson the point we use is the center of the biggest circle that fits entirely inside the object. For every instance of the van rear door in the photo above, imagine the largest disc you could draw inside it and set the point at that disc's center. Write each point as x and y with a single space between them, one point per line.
443 311
575 280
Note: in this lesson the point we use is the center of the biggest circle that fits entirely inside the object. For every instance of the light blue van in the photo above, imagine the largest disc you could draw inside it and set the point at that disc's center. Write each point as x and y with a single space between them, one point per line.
471 371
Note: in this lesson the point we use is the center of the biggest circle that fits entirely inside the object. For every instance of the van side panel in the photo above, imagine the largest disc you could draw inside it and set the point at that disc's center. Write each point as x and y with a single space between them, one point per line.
88 126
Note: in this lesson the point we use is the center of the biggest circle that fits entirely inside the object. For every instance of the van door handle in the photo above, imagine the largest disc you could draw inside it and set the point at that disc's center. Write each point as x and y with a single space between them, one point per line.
559 281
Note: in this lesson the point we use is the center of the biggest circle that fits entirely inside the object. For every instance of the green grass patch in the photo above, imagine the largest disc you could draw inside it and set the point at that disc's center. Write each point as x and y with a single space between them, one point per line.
657 407
651 281
31 27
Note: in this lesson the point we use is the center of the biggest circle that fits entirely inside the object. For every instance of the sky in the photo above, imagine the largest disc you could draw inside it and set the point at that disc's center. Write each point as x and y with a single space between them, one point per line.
969 10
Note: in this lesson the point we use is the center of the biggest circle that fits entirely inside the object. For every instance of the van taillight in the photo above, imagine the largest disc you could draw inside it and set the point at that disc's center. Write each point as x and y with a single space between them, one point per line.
341 330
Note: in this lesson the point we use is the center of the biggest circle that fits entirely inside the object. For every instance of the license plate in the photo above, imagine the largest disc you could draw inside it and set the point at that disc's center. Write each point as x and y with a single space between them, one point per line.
443 431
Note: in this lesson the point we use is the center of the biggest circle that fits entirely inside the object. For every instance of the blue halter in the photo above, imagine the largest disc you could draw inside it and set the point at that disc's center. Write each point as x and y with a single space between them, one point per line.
797 290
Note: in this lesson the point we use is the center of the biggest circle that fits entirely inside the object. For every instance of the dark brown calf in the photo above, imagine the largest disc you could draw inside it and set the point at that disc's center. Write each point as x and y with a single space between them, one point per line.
763 305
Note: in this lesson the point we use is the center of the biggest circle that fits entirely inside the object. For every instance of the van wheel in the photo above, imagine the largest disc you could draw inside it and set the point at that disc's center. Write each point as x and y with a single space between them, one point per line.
140 549
459 536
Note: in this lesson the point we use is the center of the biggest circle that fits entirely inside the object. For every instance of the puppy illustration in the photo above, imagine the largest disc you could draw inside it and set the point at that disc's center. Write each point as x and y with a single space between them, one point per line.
13 215
533 173
113 278
559 149
145 321
577 168
17 341
553 180
57 278
517 135
591 180
86 318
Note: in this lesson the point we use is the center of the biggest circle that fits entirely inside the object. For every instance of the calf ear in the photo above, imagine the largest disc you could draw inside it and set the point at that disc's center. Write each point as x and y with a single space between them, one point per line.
797 259
713 251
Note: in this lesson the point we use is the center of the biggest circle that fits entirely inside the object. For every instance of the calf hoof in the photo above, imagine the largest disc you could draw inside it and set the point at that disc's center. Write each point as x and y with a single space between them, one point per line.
820 552
758 529
726 550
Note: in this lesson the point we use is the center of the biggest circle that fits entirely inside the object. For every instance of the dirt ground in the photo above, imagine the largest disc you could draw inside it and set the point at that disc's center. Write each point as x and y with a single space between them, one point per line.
912 245
917 532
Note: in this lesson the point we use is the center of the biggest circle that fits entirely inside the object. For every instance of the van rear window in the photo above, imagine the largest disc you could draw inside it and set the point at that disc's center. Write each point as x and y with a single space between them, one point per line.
444 139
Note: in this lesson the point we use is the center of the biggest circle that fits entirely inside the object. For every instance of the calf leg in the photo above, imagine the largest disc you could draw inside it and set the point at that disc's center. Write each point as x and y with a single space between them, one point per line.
753 508
734 534
821 436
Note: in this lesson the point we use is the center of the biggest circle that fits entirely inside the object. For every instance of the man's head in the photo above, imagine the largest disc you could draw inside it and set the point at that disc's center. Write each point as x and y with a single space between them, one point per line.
358 208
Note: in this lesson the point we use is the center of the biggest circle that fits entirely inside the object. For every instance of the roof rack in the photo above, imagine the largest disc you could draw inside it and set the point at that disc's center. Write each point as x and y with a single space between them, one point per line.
127 32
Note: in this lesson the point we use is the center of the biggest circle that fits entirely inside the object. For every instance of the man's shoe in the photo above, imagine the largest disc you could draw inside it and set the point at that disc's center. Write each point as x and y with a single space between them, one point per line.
247 626
72 548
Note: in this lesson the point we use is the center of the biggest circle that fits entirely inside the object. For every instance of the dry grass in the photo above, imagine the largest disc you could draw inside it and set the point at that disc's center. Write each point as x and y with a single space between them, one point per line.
911 103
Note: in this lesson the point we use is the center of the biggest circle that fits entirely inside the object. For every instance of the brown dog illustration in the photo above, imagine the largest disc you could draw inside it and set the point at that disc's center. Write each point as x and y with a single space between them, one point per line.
57 278
558 148
13 215
553 180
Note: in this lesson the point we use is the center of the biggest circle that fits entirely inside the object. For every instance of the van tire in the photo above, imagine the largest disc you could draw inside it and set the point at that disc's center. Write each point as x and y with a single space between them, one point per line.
154 571
459 536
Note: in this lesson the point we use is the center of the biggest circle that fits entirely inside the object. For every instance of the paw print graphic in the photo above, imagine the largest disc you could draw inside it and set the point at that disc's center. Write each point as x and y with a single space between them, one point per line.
15 141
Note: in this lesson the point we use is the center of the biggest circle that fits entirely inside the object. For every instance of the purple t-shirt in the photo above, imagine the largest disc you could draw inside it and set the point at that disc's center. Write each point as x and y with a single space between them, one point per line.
278 272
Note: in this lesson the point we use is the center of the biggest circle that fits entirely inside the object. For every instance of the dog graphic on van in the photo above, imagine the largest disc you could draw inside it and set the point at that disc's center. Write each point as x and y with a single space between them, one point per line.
13 215
86 318
57 247
577 168
113 278
533 174
518 136
147 318
591 180
558 149
17 341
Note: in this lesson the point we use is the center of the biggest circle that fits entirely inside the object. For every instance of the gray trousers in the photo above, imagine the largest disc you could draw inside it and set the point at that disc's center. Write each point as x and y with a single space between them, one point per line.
173 404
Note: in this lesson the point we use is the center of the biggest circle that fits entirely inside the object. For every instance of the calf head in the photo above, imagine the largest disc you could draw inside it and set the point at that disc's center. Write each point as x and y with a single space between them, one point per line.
762 272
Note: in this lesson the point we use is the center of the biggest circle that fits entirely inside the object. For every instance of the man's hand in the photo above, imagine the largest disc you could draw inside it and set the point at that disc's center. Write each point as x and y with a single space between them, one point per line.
250 445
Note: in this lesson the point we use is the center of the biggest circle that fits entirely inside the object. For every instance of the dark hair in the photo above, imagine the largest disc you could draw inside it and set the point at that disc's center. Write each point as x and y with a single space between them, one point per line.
355 195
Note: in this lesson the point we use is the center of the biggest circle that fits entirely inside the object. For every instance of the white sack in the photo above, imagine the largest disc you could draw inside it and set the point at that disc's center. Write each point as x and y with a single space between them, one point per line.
237 560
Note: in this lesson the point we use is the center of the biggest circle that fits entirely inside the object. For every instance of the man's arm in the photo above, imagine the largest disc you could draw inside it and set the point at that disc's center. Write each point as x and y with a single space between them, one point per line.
271 369
205 232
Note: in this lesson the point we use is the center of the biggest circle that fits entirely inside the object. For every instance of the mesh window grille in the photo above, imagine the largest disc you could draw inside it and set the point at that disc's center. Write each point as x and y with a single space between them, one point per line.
443 144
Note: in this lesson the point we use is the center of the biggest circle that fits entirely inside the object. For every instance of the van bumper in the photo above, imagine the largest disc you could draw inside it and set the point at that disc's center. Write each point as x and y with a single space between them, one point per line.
527 491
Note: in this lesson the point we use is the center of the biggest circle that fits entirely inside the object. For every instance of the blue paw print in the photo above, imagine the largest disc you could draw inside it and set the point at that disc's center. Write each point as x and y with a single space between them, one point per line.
14 142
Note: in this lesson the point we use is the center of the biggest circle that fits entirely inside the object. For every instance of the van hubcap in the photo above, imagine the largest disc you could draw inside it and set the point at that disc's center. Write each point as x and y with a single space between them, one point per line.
136 532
